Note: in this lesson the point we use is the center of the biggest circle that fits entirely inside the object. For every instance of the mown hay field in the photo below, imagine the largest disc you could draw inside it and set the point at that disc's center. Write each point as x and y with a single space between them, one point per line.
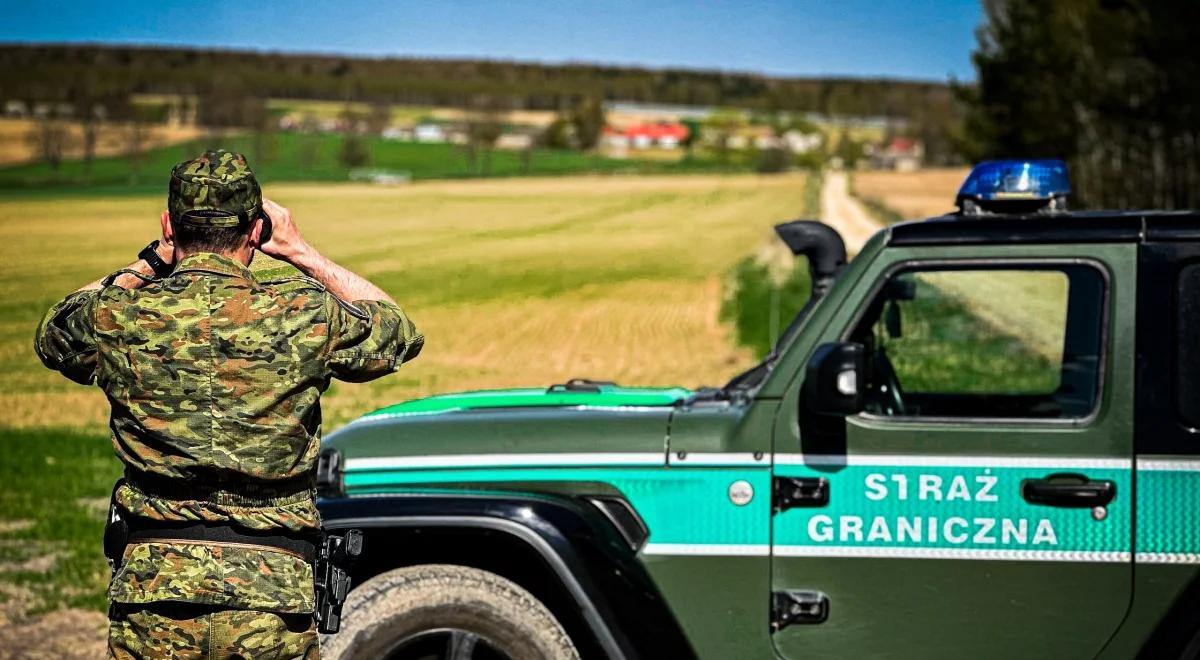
911 195
514 282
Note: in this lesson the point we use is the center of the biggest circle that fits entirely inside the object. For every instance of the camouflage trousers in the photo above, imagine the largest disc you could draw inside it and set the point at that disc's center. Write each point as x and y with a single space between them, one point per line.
186 631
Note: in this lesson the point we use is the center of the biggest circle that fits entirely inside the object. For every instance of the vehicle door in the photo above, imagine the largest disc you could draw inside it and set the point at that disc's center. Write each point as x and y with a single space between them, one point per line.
981 504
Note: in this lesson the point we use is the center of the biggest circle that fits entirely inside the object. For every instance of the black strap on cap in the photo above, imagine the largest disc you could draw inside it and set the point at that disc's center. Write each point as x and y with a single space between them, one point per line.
243 217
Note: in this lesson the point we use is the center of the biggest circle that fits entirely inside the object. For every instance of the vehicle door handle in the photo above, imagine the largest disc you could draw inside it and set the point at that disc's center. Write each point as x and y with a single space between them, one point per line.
1069 490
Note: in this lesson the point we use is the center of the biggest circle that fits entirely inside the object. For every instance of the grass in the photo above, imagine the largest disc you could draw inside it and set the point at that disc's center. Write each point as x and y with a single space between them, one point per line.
54 488
765 291
953 342
520 282
894 196
523 282
882 213
282 157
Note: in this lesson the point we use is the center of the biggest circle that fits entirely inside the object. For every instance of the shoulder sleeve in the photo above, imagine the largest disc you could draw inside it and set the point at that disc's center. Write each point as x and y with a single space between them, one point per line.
369 339
292 282
66 337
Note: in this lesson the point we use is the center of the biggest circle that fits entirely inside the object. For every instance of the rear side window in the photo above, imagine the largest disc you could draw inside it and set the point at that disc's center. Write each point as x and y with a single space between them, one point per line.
1004 342
1187 345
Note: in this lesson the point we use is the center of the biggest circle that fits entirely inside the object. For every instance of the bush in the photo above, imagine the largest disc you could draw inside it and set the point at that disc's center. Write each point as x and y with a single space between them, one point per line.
354 152
773 161
759 308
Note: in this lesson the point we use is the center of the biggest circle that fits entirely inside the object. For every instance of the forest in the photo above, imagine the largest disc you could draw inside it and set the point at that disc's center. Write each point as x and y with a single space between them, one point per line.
71 73
1113 86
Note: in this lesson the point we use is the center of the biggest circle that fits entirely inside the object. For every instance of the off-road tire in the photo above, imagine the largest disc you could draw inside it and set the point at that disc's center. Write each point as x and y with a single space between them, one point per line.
394 606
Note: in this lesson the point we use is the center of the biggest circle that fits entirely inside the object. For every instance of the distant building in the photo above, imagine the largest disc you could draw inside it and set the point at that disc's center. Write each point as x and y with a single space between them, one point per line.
656 111
900 153
43 110
664 135
766 141
801 143
15 108
429 133
397 133
515 141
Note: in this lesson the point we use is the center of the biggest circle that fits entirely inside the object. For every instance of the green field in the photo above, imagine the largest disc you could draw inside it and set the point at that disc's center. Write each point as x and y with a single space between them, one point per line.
514 282
54 487
645 280
281 157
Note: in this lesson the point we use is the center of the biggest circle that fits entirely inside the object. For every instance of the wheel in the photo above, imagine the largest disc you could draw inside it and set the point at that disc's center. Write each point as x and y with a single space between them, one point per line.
445 612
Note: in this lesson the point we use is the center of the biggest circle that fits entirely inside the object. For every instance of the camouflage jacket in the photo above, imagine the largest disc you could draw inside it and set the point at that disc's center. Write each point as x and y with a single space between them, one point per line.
215 381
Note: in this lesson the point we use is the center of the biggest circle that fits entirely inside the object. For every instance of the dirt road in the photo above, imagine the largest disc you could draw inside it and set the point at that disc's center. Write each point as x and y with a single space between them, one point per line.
842 212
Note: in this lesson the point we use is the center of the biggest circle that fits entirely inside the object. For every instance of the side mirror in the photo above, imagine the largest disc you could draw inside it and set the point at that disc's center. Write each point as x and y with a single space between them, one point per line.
833 379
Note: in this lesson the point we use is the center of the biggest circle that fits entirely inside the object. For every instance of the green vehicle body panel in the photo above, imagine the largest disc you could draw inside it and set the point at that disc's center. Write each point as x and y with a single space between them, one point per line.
1040 602
495 431
716 562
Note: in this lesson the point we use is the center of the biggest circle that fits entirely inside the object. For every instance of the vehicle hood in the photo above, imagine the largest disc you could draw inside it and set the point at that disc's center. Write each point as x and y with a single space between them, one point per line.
604 424
599 396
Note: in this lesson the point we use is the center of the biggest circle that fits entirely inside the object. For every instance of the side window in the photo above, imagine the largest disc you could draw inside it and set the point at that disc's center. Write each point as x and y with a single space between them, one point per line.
998 342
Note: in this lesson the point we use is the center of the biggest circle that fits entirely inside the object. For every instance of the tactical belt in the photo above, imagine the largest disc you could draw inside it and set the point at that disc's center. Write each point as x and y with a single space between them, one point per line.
330 554
230 493
142 530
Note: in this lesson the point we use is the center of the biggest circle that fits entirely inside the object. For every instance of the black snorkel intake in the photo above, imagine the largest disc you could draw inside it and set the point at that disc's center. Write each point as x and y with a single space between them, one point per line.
821 245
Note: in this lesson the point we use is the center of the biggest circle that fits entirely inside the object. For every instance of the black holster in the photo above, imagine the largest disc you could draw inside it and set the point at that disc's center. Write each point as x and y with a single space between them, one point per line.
116 532
331 571
330 558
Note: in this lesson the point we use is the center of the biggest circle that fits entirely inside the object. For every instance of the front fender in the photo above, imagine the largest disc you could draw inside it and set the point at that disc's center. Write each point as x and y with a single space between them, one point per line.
589 558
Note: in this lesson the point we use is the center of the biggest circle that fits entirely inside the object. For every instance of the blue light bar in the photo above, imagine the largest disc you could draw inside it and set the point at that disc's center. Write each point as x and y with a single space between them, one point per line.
998 180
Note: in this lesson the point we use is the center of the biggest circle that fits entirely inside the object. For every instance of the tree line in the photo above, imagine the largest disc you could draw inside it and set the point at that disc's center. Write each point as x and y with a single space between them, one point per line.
67 73
1111 85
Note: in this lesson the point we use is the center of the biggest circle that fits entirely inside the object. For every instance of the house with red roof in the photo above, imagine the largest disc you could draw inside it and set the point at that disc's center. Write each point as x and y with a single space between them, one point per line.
900 153
663 135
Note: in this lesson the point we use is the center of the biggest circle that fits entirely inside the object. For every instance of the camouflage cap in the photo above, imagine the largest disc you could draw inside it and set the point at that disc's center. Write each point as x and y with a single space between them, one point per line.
215 190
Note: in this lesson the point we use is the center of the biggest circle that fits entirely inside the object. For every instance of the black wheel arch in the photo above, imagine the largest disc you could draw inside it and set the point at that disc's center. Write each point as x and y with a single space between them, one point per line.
560 548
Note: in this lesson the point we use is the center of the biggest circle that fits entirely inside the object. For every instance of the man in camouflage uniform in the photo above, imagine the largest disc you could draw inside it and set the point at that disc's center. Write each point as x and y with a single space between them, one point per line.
215 378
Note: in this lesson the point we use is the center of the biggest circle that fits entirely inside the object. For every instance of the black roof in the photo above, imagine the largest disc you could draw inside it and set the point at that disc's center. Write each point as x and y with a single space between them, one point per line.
1070 227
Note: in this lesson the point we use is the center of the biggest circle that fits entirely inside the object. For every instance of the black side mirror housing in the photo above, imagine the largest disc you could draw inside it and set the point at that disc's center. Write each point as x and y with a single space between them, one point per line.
833 379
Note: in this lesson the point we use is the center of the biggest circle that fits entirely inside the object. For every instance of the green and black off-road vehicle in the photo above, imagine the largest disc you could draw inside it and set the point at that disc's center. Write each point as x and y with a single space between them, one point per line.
979 439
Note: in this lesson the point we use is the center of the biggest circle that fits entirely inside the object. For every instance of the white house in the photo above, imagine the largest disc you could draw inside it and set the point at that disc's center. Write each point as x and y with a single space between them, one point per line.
801 143
429 133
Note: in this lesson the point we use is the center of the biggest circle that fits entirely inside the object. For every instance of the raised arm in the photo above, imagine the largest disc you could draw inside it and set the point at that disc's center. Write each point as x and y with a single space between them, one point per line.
287 244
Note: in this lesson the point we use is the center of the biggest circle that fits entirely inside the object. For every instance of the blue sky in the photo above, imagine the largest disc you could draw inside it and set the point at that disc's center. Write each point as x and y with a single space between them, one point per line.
920 39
